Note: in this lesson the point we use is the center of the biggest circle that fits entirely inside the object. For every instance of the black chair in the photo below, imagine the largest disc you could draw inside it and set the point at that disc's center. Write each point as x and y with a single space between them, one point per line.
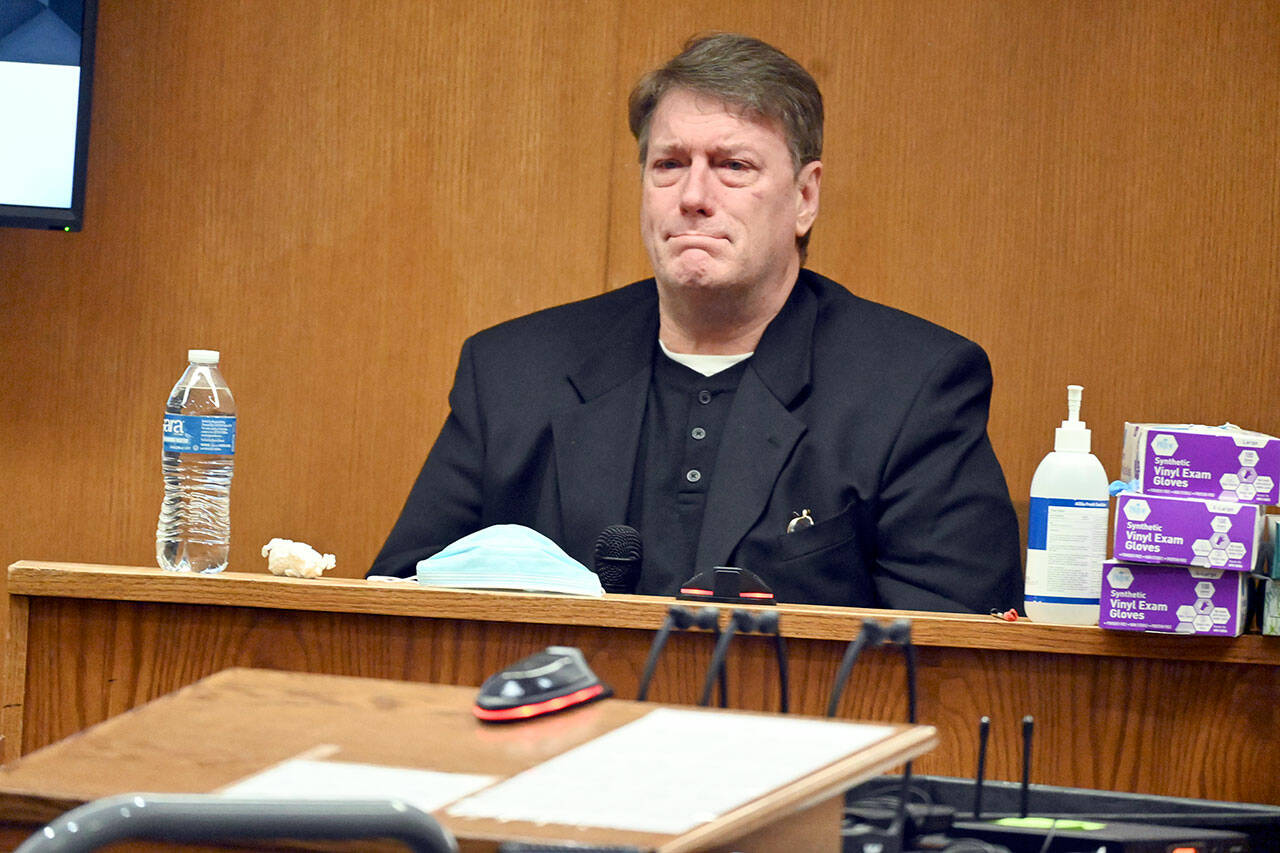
198 818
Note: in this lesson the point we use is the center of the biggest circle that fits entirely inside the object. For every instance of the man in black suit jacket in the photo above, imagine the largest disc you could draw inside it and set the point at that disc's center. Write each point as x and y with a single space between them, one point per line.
736 408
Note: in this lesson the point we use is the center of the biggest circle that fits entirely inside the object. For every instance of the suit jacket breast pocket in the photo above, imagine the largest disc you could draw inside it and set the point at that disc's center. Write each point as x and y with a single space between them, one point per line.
828 535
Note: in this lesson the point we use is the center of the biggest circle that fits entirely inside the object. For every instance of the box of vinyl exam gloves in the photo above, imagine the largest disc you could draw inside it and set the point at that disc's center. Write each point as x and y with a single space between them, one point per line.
1214 463
1187 531
1173 599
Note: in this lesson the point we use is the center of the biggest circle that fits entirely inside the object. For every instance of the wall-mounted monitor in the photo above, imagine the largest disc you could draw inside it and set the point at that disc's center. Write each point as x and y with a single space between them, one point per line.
46 75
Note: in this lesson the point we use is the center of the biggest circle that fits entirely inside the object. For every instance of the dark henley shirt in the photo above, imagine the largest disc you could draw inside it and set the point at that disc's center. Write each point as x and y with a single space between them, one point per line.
684 420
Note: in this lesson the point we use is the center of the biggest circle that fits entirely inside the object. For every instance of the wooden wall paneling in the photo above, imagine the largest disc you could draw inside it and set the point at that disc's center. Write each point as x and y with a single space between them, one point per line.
334 198
647 39
1089 190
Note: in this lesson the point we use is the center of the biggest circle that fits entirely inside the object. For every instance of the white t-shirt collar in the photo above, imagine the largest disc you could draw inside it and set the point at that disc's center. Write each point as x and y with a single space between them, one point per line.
707 365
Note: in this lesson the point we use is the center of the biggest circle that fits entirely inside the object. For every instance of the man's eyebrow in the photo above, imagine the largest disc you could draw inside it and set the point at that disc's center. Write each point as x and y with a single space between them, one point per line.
730 150
736 150
666 148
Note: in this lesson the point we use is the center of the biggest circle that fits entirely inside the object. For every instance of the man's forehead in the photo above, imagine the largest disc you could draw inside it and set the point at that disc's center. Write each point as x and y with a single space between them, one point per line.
692 105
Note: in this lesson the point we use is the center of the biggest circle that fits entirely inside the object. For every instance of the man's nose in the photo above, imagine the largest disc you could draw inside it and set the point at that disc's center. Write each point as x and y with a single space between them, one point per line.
696 193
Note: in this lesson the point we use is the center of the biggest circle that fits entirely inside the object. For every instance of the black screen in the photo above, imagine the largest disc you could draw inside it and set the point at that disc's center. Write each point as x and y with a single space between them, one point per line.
46 64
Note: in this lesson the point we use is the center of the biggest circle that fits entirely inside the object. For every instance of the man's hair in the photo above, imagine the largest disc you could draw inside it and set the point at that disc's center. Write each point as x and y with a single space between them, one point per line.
745 73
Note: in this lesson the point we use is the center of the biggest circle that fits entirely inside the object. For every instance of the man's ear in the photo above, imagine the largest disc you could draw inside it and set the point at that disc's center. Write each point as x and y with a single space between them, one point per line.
808 184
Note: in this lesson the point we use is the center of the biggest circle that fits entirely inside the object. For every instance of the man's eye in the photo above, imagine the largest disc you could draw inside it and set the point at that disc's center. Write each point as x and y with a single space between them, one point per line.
667 164
736 165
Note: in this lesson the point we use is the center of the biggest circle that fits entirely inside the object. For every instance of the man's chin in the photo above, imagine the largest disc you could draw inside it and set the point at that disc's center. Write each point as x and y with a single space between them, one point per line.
700 276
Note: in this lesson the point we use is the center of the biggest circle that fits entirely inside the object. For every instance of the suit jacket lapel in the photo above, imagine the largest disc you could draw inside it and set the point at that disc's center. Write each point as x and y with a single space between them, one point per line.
761 431
596 442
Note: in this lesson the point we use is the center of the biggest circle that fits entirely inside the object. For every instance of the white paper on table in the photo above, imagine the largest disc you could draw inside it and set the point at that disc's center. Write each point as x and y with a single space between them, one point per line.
308 779
670 770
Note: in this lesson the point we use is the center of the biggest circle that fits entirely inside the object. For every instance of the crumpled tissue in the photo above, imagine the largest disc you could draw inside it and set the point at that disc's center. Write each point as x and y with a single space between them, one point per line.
296 559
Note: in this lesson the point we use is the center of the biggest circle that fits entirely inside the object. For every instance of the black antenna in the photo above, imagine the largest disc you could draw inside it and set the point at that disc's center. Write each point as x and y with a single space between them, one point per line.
984 733
1028 727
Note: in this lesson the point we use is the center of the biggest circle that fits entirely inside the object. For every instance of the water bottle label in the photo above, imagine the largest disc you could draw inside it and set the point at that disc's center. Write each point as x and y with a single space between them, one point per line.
200 434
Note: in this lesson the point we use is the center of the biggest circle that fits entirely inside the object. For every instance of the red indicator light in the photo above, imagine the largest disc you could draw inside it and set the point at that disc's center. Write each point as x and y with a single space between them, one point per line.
1185 850
523 712
691 591
755 595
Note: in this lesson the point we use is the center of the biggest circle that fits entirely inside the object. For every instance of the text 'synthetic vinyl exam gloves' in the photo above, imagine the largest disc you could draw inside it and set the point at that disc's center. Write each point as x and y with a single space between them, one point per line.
1190 515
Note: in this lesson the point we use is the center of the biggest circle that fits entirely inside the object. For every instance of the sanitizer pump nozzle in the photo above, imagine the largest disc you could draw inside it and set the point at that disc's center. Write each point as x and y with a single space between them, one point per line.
1073 436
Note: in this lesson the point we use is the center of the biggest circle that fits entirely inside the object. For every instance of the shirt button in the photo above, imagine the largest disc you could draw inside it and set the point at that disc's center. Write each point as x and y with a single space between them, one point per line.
704 397
699 433
693 475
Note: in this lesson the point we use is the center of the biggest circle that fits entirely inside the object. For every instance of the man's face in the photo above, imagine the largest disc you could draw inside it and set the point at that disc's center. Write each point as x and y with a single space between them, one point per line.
722 205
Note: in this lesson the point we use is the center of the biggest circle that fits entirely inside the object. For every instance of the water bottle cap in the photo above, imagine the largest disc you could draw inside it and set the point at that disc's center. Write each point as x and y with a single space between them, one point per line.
202 356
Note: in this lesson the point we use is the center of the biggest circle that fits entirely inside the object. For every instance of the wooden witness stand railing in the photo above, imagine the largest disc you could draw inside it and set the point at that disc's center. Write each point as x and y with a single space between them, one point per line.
1181 716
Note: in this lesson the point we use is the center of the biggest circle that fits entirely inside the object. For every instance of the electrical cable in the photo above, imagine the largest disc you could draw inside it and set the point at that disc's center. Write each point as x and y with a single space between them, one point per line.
1048 836
899 632
680 619
708 618
677 618
737 620
889 789
871 634
716 667
973 845
768 623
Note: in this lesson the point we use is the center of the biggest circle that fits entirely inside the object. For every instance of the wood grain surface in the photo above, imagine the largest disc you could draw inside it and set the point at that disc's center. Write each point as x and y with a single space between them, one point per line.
396 724
1121 711
335 196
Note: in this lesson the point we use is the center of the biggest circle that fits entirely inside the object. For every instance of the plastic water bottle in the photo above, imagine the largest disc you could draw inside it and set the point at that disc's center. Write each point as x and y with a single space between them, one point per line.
1067 535
194 532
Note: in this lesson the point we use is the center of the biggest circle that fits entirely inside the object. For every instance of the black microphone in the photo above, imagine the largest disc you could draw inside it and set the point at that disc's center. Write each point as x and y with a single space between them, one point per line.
617 558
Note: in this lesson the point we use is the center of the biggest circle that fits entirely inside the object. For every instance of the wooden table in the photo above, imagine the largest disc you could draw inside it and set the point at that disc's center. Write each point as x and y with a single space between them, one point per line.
234 724
1184 716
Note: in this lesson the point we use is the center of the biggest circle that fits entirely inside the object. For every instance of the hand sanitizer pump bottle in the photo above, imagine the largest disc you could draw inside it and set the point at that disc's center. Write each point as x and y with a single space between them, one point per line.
1067 531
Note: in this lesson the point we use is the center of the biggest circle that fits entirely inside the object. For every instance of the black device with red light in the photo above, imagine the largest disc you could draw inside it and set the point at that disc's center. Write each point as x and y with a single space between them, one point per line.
552 680
726 584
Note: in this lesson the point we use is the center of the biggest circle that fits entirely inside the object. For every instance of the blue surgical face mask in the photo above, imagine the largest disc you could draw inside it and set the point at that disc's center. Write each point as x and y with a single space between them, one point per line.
508 556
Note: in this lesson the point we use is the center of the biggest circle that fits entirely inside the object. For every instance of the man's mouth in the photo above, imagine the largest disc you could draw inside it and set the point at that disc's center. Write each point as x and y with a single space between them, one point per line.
696 236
